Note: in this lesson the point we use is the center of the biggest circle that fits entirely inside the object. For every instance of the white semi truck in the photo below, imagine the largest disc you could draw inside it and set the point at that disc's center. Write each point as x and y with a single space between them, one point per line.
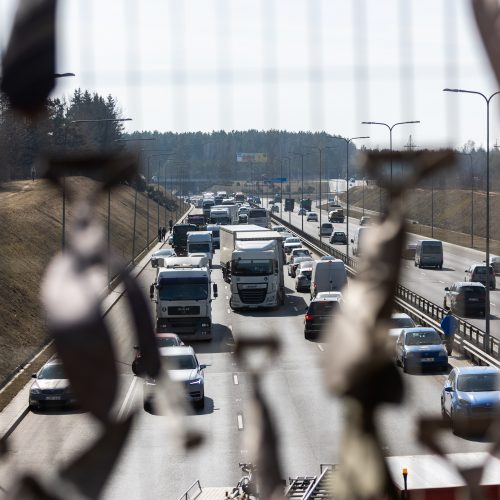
227 244
200 242
224 214
183 297
257 270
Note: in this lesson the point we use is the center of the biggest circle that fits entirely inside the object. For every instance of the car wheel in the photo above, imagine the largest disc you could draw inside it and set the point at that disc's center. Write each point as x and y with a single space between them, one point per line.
404 364
454 424
199 405
443 411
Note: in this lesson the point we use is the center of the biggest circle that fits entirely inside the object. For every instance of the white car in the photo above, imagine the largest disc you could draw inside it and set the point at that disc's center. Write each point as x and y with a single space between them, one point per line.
398 322
312 217
291 243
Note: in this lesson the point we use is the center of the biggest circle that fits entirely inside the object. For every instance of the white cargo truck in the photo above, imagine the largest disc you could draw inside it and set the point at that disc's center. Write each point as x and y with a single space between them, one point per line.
220 215
257 273
200 242
256 270
183 297
227 243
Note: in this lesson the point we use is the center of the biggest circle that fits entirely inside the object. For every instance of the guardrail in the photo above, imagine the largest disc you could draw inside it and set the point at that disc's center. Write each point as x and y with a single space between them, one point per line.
197 492
469 339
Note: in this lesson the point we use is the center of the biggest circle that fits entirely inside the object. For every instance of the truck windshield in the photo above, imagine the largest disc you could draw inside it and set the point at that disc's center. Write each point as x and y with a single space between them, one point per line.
221 220
199 247
247 267
183 288
255 214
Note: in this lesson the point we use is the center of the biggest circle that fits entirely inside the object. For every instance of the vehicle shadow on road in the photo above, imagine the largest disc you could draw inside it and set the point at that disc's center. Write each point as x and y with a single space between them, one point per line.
222 341
59 411
294 306
208 408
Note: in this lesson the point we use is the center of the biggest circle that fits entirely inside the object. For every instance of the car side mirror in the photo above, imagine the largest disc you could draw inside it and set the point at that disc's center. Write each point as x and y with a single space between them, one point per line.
448 389
466 270
33 375
152 291
202 367
447 289
352 241
306 308
215 290
136 347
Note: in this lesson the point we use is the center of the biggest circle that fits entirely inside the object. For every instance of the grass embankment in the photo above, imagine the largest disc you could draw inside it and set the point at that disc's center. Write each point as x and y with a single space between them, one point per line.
452 214
30 229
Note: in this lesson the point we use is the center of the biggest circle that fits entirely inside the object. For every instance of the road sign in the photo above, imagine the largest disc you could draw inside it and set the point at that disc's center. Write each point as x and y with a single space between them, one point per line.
289 204
251 157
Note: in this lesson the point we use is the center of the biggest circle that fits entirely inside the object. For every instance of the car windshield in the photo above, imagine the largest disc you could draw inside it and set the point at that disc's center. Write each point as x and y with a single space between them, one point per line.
473 291
482 270
292 240
250 267
52 371
183 288
479 382
422 338
181 362
163 253
306 272
402 323
323 307
300 252
166 341
199 247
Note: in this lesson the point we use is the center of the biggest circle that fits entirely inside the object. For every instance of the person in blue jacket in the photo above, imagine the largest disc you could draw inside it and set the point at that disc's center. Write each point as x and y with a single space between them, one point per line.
449 325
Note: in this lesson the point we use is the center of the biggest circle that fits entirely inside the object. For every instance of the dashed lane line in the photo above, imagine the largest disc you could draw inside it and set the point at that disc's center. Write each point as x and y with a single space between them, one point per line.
127 397
240 422
321 348
235 379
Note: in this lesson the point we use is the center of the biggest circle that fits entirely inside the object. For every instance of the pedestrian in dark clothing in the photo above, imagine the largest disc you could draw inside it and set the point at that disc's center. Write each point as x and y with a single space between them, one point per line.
33 173
163 233
449 325
159 234
170 224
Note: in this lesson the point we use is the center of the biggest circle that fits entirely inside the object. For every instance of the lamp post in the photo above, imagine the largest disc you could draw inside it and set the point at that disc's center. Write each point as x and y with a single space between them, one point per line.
99 120
135 195
302 184
289 183
471 200
390 127
347 141
487 308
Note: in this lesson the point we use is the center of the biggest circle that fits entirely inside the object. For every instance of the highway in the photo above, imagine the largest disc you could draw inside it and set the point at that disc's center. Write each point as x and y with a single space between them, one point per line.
429 283
308 419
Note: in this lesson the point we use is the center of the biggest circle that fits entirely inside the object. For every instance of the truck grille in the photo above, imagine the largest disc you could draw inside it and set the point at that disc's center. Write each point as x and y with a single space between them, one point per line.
184 310
253 295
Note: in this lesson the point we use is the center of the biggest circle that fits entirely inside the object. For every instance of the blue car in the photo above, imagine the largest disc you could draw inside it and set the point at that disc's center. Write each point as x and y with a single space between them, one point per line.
471 397
420 348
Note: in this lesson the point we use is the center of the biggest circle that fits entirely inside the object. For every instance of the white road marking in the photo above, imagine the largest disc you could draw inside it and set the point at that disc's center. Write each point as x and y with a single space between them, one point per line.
235 379
439 281
127 397
227 297
295 308
228 310
240 422
491 304
320 347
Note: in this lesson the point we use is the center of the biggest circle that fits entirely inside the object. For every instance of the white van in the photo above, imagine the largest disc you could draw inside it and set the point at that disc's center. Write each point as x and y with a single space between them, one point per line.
358 240
328 276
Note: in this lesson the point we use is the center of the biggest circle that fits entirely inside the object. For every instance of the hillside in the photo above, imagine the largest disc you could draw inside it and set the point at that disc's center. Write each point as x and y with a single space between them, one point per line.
452 213
30 229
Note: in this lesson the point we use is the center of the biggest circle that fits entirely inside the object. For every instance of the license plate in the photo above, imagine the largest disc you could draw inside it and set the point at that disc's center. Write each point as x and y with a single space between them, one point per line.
53 398
427 359
473 300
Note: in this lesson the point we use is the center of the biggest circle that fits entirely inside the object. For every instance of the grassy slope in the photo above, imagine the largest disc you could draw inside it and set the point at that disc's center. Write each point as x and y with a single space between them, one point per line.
30 229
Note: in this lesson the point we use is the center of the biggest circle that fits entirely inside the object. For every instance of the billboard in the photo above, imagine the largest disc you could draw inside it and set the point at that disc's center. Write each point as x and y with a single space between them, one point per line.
251 157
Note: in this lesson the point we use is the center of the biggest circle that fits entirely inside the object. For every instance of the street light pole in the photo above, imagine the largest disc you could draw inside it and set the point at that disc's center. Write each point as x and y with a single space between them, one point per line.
487 333
302 184
347 142
390 127
471 200
289 183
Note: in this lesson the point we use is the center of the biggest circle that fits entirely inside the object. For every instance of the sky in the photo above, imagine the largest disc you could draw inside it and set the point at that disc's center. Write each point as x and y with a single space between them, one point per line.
292 65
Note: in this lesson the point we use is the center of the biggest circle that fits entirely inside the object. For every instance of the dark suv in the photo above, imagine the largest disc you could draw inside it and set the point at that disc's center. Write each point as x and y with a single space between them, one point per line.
318 313
466 298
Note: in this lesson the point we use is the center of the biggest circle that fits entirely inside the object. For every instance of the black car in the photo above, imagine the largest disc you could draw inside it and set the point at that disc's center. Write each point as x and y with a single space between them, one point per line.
338 238
318 313
466 298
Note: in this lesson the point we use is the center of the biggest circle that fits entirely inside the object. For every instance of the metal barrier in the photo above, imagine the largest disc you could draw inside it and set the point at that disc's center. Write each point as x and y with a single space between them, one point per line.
187 494
470 338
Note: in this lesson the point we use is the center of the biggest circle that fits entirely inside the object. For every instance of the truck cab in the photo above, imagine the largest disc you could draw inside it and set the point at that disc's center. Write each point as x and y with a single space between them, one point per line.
200 242
183 297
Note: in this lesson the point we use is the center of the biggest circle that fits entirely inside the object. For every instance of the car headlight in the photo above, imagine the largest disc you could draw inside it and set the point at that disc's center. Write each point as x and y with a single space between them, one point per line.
463 402
196 381
35 390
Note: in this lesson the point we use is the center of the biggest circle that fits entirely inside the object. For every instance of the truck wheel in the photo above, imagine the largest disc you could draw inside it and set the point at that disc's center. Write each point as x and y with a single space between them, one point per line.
148 406
199 405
